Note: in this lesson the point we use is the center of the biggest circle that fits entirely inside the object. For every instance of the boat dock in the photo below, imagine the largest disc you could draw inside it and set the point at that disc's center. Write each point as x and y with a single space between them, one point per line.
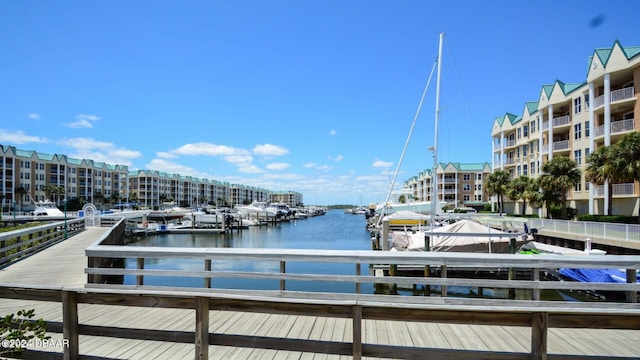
111 322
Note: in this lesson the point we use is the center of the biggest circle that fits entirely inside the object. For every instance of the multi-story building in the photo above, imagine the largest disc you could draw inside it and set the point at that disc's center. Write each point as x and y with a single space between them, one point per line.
574 120
459 184
27 176
291 198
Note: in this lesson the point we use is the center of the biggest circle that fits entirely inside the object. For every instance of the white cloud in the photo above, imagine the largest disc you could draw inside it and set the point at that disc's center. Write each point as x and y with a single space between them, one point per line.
83 121
324 167
33 116
309 165
277 166
337 158
101 151
165 155
18 137
332 132
270 150
175 168
204 148
381 164
249 168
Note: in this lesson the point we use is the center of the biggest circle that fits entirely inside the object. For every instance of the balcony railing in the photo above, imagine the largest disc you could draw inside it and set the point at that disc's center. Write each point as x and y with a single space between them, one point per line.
617 189
509 161
561 121
561 145
509 143
616 95
545 125
616 127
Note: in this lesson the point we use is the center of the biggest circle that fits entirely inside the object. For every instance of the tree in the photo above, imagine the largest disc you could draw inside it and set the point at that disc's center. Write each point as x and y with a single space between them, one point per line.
497 185
519 189
599 170
559 175
626 158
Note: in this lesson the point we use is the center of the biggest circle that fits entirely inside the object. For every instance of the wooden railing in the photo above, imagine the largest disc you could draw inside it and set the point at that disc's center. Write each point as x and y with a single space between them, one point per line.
18 243
539 316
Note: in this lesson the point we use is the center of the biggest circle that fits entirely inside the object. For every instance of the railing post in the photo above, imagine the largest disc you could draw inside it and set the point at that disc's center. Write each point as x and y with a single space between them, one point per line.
357 332
358 272
632 296
140 278
202 328
539 326
283 269
70 325
536 278
207 267
443 275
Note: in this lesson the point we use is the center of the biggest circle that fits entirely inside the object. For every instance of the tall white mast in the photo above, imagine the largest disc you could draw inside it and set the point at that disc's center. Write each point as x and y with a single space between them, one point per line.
434 148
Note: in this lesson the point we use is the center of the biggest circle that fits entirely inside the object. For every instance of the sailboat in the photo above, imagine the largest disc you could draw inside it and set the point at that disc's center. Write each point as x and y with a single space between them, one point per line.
404 201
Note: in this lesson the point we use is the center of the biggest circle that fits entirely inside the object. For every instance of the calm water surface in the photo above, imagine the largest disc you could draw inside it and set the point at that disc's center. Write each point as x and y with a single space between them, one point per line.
335 230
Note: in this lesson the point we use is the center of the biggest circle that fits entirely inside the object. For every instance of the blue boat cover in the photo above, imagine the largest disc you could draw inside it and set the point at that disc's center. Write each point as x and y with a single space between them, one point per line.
597 275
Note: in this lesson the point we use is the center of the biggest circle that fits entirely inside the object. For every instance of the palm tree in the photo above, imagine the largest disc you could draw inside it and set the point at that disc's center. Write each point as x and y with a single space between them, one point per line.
519 189
599 170
626 158
497 185
559 175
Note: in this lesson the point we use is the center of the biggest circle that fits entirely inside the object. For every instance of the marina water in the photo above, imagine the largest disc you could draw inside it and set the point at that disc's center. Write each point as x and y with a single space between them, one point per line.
333 231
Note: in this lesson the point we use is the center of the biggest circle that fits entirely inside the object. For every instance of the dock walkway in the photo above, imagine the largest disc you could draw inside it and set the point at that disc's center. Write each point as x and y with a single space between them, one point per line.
64 263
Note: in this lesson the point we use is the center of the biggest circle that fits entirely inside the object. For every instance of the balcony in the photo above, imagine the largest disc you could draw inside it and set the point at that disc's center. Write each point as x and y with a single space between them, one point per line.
617 127
561 145
561 121
510 143
617 189
545 125
616 95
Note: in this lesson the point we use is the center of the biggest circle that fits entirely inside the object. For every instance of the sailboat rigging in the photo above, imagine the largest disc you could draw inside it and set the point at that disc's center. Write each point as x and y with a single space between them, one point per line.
424 207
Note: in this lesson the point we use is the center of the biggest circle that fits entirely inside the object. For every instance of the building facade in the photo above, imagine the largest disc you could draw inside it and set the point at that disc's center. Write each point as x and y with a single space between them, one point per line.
459 184
574 120
28 176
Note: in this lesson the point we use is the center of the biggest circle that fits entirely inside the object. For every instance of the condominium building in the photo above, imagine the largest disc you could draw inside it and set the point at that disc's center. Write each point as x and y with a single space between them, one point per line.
459 184
28 176
574 120
291 198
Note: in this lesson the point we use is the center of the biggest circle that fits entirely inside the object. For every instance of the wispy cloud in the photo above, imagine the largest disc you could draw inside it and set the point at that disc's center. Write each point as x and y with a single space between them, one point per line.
175 168
270 150
33 116
83 121
336 158
332 132
277 166
381 164
18 137
101 151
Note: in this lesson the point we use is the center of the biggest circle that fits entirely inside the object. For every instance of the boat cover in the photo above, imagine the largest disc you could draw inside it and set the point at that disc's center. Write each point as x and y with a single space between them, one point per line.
597 275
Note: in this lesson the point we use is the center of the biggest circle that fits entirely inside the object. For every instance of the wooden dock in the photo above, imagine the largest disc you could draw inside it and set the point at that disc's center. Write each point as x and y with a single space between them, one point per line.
63 265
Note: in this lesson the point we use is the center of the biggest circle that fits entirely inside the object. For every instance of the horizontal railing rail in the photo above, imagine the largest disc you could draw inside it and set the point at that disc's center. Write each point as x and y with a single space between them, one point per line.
590 229
539 316
18 243
274 267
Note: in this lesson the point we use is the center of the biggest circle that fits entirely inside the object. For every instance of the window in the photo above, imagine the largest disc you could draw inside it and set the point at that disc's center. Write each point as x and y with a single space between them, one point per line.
577 105
524 169
524 150
466 187
519 133
586 101
578 187
525 130
533 167
466 177
479 177
587 151
533 126
577 155
518 170
577 131
586 129
478 187
466 197
586 186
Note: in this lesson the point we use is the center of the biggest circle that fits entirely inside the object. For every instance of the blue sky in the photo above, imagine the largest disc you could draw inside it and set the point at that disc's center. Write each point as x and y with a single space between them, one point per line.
312 96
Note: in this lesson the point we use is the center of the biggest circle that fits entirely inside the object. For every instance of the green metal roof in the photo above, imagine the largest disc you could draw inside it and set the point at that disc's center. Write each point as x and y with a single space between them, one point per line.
532 107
